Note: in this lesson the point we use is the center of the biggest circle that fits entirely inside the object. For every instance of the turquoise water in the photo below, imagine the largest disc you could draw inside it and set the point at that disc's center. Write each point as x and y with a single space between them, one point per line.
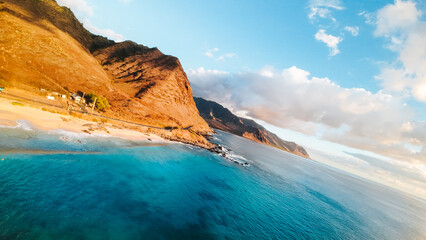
65 186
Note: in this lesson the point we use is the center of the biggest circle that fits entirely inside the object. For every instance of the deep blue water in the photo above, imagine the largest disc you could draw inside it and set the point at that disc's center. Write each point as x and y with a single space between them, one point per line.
102 188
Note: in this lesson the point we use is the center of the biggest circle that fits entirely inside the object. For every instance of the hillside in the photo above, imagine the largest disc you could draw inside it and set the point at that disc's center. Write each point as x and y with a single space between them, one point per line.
43 45
221 118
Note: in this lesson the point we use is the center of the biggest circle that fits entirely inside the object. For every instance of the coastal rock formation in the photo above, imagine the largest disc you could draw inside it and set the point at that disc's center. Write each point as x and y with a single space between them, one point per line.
221 118
43 45
158 81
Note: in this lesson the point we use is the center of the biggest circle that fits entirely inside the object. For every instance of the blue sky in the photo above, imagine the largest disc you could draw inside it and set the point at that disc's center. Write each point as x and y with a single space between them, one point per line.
337 76
276 33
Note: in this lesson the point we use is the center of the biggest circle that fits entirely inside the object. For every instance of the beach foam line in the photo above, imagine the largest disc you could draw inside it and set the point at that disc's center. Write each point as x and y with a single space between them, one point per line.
20 123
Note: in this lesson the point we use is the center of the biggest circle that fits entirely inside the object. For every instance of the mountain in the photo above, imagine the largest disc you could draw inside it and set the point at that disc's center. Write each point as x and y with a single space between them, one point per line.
43 45
221 118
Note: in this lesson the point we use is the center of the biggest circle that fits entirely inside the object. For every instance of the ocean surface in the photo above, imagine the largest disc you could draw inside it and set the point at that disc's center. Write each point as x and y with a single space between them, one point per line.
59 185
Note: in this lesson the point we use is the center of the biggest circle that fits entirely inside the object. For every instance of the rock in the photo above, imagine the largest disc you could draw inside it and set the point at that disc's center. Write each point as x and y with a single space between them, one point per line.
86 131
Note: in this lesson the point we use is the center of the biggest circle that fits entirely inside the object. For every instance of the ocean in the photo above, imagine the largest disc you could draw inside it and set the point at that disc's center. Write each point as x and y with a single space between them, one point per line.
59 185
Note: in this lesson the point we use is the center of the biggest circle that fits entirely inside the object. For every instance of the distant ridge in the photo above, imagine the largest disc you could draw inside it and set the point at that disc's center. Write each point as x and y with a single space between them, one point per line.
221 118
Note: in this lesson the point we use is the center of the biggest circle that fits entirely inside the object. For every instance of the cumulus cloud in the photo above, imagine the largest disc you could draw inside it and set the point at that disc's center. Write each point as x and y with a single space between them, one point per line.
352 30
104 32
77 6
211 53
293 99
323 8
395 17
331 41
400 24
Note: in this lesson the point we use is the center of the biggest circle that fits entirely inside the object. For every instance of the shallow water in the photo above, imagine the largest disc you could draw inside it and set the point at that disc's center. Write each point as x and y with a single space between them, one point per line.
114 189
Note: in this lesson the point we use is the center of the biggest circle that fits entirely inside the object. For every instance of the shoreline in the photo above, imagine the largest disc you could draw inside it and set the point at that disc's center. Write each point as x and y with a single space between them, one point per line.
12 111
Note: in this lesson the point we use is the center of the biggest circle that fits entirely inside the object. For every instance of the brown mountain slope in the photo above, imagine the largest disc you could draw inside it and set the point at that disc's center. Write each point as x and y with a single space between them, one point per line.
156 79
42 45
221 118
35 52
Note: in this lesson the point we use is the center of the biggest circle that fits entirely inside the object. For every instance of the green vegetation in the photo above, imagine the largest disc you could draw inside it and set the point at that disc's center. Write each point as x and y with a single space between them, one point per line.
99 42
101 102
50 110
18 104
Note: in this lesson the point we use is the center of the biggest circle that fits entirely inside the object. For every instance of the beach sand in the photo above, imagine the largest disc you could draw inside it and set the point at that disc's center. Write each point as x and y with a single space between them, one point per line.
11 112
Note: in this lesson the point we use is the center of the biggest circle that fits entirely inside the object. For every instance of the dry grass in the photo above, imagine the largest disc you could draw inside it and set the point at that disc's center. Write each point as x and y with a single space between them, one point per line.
18 104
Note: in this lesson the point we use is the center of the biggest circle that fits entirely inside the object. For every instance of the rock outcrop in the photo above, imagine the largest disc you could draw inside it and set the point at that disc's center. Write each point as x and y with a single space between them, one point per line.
157 81
221 118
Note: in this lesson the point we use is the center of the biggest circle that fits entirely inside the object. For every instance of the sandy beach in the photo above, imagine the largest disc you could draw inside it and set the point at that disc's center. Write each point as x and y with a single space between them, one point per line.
11 111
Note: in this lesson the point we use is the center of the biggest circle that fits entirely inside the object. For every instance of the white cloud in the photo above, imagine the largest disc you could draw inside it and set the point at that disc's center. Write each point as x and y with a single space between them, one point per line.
336 4
322 8
225 56
331 41
104 32
400 24
352 30
293 99
77 6
395 17
369 17
211 54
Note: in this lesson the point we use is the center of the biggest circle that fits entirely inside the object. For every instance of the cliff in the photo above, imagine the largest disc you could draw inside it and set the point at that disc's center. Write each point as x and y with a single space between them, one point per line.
156 80
221 118
43 45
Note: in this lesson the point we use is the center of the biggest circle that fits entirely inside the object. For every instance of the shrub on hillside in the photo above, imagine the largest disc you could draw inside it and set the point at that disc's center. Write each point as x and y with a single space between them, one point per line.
101 103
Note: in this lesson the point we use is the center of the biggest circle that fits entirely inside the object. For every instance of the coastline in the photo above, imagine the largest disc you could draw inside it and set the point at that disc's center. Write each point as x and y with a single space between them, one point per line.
12 111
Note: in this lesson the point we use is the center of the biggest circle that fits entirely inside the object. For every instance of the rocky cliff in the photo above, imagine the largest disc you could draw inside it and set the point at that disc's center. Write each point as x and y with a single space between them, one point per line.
156 80
221 118
43 45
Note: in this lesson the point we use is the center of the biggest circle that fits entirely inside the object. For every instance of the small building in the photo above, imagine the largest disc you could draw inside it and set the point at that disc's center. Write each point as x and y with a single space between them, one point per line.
50 97
63 96
76 97
1 89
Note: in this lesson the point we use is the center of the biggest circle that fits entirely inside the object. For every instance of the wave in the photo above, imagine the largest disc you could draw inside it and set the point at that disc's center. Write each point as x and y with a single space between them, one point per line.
21 124
231 156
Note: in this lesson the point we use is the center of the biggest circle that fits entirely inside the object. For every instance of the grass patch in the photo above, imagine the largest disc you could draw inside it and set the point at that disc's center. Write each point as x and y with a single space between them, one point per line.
18 104
49 110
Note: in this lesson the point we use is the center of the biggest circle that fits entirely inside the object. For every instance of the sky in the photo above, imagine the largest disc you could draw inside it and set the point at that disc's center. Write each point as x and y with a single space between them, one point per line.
346 79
